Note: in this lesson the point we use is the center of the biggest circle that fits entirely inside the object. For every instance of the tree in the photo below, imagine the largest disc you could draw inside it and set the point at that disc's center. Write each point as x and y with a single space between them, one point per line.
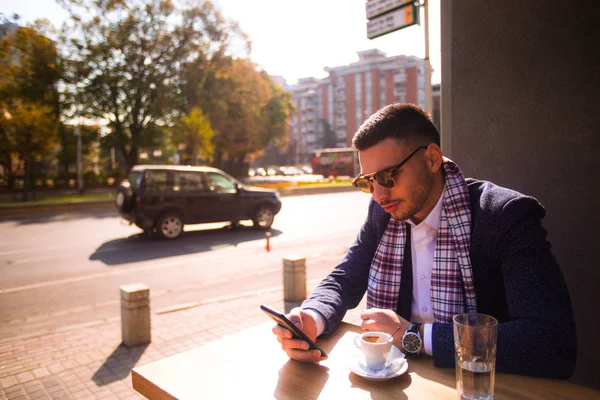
29 109
329 139
194 134
127 60
30 130
247 112
67 155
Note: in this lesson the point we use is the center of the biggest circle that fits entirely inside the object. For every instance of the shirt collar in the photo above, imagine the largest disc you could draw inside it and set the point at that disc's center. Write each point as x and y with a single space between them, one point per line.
433 218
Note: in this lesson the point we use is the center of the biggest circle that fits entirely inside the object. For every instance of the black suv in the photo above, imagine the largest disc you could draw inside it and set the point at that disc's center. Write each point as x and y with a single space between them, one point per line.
162 198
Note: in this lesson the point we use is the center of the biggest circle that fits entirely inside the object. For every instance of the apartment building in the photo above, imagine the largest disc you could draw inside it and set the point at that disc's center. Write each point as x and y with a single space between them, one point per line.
338 104
6 28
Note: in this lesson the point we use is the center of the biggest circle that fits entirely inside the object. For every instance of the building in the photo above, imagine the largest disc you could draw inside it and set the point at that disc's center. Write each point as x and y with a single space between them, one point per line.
330 110
7 28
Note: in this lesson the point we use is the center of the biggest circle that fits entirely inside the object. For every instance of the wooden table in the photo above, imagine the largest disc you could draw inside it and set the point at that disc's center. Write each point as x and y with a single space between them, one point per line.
251 365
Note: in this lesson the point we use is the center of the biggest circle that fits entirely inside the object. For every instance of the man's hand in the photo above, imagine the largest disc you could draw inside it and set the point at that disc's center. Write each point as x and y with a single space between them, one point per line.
297 349
380 320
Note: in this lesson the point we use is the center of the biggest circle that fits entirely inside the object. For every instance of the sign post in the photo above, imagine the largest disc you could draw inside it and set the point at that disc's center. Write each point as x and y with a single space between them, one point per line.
385 16
392 21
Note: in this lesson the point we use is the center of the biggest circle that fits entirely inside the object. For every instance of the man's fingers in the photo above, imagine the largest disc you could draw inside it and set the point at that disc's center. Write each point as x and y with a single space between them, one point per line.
290 344
305 356
370 313
280 331
369 325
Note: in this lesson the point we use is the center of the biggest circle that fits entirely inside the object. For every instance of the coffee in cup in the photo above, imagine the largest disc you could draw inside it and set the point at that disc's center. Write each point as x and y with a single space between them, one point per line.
375 347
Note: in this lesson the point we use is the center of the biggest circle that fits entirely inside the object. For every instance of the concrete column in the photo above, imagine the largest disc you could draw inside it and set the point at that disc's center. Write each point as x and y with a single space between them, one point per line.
294 281
135 314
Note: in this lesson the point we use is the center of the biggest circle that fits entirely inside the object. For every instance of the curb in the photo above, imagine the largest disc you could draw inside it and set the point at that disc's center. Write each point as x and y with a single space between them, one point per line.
28 209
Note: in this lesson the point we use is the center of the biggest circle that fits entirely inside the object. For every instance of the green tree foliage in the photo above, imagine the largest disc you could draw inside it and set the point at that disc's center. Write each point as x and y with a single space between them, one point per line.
29 103
67 155
193 134
30 130
127 60
247 112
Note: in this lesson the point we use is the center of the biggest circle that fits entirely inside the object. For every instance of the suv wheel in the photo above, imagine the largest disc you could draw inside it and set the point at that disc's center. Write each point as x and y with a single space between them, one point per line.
170 225
263 217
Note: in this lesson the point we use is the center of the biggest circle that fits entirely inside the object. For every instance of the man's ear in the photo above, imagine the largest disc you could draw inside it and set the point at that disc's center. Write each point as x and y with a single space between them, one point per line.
434 155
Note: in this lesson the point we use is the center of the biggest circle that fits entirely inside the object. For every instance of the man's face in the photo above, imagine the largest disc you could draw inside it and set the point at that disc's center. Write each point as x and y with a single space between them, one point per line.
409 198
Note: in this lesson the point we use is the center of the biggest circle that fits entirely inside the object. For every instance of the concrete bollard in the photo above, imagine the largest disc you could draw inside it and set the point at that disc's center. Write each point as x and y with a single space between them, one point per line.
135 314
294 281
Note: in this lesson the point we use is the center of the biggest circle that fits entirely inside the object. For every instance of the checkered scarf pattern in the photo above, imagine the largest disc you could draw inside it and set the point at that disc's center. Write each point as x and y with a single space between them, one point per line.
452 288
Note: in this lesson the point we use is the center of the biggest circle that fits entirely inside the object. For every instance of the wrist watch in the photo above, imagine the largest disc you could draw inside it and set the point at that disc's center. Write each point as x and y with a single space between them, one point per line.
411 340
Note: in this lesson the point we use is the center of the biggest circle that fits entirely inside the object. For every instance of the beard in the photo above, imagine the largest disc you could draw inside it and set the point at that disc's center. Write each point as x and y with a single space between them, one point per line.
408 208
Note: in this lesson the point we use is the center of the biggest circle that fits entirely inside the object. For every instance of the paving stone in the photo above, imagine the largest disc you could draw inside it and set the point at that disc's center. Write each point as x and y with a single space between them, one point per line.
8 382
40 372
39 394
18 397
32 386
25 377
55 368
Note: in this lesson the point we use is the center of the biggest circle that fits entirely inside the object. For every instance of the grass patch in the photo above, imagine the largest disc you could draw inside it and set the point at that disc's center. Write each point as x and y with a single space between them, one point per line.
286 185
66 198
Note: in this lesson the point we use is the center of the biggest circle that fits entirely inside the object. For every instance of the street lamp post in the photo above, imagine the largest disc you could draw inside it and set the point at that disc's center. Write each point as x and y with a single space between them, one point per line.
428 93
79 157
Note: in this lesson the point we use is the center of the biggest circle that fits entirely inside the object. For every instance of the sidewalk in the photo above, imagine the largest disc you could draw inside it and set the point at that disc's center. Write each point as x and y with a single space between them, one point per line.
88 362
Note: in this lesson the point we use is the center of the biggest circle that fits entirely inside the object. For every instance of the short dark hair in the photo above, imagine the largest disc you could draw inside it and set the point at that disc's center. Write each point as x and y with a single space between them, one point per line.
403 121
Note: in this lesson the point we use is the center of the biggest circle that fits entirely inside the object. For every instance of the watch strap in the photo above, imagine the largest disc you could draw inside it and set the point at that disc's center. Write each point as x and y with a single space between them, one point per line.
415 327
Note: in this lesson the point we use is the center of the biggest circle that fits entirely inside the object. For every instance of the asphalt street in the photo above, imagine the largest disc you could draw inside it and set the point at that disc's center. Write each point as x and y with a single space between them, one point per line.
64 270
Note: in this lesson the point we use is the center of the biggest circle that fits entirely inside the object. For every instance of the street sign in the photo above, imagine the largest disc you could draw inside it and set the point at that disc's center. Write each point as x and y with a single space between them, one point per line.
392 21
378 7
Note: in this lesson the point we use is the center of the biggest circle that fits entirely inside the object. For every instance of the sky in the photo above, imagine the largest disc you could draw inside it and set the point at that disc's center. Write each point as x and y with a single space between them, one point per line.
294 39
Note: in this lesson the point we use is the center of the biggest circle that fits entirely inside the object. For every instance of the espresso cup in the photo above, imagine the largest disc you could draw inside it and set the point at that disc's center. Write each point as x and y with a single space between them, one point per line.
375 347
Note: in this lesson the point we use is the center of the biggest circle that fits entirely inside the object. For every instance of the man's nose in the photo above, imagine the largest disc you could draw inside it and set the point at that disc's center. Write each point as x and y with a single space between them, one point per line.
380 193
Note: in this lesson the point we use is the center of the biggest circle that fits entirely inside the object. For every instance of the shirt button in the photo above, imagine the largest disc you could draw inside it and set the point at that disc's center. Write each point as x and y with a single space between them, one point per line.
419 247
424 309
423 277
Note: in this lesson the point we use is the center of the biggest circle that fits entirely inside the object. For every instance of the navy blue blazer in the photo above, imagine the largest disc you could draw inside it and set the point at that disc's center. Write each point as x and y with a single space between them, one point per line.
517 280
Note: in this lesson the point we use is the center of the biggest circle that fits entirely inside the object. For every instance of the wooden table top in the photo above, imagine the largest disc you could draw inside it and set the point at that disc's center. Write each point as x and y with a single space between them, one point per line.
250 364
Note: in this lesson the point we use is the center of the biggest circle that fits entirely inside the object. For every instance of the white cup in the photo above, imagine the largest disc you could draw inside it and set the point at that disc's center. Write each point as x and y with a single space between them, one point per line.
375 347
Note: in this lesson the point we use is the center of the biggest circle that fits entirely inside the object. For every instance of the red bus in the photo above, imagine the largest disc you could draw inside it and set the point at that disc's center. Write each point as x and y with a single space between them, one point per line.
340 161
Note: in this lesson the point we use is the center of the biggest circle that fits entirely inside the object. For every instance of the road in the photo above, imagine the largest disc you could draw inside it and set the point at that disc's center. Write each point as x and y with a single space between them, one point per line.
65 270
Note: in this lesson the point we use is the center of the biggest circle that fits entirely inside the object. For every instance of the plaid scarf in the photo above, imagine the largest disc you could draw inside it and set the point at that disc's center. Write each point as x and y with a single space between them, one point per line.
452 288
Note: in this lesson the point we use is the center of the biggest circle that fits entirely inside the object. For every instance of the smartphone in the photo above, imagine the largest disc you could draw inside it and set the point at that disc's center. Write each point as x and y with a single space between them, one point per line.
282 320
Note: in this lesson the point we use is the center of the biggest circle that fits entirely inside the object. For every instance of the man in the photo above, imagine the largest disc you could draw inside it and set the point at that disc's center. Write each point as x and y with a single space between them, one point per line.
435 244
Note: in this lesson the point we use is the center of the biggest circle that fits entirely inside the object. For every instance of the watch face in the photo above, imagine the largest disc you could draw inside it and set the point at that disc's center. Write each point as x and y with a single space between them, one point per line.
411 343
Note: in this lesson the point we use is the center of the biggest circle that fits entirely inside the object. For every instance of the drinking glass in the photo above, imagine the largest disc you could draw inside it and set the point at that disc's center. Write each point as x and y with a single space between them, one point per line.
475 355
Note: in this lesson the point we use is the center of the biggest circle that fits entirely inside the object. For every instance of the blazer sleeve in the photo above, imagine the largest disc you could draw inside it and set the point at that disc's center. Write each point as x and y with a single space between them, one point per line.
345 286
538 338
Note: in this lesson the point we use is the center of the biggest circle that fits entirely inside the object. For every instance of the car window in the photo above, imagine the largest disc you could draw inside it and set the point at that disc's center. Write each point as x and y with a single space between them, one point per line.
134 179
218 183
156 181
188 182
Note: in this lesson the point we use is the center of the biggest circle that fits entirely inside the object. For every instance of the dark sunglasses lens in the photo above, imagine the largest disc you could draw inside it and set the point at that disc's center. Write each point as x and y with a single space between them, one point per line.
384 178
364 185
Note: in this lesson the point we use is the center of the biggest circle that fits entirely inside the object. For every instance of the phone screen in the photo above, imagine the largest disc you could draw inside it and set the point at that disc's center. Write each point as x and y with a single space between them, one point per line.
282 320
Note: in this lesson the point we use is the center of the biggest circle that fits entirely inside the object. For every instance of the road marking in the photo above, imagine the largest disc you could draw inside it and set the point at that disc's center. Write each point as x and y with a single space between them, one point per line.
107 274
33 249
241 251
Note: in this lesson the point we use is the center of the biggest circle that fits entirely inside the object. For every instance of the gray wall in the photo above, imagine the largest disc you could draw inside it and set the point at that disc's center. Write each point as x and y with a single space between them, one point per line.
520 91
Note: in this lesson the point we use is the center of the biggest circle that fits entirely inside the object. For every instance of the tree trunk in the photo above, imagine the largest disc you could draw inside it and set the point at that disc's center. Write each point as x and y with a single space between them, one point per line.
27 178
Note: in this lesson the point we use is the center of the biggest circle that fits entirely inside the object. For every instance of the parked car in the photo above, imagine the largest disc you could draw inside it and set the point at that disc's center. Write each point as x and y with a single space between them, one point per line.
163 198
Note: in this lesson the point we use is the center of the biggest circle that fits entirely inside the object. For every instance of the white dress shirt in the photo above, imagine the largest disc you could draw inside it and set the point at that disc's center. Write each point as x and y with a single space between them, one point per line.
423 239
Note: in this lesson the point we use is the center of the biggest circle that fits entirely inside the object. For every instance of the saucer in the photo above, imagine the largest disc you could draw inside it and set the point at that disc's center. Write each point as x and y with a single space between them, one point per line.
396 367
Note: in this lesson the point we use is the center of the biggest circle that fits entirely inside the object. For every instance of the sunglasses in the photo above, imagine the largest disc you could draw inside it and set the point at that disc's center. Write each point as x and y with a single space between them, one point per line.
385 177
